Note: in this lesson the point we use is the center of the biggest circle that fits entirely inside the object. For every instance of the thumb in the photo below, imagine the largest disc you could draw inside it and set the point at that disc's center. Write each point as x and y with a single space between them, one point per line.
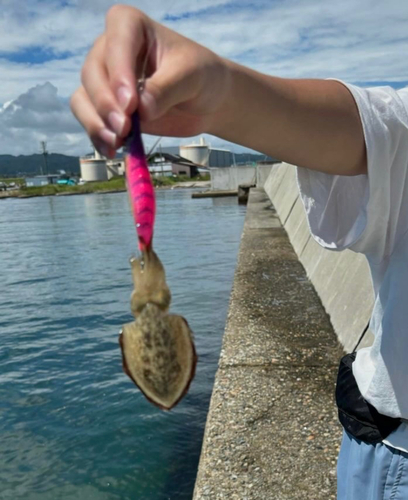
169 86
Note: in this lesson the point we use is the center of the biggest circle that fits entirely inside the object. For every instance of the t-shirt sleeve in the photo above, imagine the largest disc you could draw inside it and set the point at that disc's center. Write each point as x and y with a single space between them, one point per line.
366 213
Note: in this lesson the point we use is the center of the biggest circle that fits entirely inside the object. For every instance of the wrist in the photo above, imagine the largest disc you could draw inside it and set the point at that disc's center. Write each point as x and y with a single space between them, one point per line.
222 117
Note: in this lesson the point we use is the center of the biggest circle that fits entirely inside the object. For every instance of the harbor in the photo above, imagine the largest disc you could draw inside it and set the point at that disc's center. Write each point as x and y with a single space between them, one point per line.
203 217
275 374
269 367
74 425
197 165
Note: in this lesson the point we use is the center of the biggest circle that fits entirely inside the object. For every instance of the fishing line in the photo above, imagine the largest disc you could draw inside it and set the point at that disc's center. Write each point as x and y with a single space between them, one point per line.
141 82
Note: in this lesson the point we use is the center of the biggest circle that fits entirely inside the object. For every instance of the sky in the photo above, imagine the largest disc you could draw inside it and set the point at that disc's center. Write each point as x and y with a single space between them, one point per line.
43 44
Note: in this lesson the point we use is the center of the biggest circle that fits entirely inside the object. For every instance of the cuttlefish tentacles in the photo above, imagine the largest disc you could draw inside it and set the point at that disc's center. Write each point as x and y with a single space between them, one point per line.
158 351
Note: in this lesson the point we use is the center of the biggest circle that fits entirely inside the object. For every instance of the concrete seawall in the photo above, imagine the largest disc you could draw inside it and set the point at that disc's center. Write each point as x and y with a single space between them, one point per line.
272 430
231 178
342 279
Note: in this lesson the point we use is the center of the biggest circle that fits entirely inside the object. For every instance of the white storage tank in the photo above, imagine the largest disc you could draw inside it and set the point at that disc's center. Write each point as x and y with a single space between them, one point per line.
93 168
197 153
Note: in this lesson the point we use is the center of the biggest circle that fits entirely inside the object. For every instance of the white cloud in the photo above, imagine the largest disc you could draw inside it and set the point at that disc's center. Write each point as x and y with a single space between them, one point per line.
37 115
362 41
40 114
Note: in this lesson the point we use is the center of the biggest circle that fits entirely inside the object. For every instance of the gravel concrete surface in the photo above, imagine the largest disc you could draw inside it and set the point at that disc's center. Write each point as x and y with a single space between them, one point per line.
272 429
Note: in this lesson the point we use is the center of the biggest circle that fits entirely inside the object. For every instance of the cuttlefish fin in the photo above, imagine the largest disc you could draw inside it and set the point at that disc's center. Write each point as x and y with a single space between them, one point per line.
158 354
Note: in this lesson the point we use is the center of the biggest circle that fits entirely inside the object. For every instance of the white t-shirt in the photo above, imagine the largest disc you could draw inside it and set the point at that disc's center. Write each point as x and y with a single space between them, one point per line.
369 214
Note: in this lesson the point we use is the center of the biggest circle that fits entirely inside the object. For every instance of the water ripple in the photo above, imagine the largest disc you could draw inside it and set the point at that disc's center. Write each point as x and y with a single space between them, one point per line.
72 425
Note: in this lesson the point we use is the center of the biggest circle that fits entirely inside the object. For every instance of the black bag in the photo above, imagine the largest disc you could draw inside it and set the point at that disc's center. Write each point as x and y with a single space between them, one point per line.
358 417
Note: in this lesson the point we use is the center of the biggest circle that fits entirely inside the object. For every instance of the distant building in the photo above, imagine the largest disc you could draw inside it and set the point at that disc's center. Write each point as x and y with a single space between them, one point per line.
93 168
161 168
196 153
115 167
172 164
172 150
42 180
190 160
202 154
220 158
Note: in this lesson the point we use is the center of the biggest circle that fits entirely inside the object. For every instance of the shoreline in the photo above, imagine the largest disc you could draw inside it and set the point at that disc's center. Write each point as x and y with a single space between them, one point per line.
26 194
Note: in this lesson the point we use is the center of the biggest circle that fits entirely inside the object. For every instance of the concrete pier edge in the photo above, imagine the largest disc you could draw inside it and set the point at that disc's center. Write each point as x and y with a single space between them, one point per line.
272 429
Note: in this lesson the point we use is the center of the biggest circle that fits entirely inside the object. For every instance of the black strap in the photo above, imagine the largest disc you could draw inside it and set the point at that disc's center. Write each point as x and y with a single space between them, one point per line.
361 337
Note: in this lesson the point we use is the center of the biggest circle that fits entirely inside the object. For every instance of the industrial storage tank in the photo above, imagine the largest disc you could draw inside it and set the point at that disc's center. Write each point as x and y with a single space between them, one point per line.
93 168
197 153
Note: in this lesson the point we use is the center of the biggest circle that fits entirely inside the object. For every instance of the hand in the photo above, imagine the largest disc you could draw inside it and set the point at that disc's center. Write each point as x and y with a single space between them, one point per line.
185 83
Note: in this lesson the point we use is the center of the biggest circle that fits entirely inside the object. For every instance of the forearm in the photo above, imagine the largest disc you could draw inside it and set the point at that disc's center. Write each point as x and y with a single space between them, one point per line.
310 123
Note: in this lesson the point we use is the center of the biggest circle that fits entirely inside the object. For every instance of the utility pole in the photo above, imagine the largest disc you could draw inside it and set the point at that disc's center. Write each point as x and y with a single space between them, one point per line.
45 154
161 160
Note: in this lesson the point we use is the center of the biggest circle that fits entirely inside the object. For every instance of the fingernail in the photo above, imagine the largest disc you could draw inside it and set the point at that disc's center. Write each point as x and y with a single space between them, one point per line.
148 102
108 136
116 122
124 96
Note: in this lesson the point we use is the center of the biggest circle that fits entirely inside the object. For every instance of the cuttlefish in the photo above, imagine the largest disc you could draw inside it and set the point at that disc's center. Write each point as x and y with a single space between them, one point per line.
158 350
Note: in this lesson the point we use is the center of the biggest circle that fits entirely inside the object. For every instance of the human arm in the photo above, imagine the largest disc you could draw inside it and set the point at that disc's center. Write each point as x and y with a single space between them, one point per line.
191 90
309 123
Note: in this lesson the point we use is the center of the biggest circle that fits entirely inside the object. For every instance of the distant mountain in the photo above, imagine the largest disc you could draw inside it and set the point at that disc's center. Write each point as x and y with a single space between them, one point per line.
20 166
242 158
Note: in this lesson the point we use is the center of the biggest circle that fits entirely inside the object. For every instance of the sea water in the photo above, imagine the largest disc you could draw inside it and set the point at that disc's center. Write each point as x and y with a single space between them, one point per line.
72 424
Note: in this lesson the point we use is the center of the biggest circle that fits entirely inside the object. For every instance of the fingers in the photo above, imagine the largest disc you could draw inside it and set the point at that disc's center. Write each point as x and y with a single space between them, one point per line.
131 39
95 82
125 46
105 141
108 95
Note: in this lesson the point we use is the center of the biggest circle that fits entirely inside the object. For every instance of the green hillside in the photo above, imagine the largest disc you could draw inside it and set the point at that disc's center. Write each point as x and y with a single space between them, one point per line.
20 166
